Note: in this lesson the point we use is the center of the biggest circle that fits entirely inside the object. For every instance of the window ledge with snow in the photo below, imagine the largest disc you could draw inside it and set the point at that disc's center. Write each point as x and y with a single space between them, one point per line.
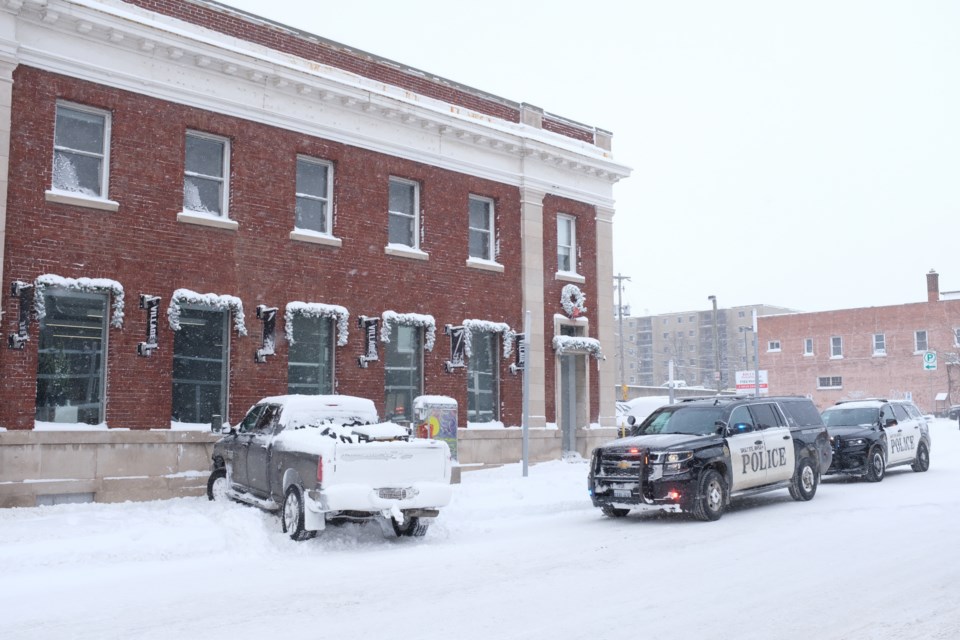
570 276
403 251
879 354
315 237
486 265
81 200
836 357
207 220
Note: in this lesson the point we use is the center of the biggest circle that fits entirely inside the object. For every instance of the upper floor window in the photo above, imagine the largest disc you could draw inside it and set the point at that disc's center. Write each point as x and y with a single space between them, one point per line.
81 156
808 346
879 344
206 167
314 185
773 345
920 341
404 210
567 244
481 228
830 382
836 347
956 337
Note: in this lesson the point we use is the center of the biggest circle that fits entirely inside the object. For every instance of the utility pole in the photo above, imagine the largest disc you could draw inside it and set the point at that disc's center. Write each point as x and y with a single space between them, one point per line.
620 280
716 343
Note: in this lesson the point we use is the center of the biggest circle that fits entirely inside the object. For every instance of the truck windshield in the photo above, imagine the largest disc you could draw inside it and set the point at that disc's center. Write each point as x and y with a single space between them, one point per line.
681 419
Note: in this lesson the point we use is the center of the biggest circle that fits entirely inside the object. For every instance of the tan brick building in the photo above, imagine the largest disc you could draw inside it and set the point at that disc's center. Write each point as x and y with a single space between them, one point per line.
870 352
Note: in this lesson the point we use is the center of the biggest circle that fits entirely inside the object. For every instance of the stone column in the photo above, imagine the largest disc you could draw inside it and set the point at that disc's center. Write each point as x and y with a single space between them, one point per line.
8 62
605 304
531 231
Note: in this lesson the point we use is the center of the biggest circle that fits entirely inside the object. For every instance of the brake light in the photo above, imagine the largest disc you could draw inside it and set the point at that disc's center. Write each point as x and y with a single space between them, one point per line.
634 450
673 495
319 470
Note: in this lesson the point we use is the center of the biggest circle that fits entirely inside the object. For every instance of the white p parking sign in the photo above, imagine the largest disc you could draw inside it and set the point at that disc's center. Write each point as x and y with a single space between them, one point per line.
930 360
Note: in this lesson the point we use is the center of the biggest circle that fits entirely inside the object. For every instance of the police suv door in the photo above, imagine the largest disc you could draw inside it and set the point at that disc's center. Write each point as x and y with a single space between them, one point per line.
746 450
902 438
777 441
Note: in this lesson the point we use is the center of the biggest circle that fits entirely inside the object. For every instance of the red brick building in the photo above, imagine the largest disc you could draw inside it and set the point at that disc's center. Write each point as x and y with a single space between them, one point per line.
871 352
214 166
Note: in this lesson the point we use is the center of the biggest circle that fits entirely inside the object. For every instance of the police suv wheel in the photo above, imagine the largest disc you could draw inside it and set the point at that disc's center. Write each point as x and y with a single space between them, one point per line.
922 463
613 512
805 480
711 496
876 465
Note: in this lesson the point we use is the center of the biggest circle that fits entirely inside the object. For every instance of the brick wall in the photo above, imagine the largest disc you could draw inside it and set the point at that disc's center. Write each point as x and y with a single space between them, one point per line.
586 223
145 248
864 374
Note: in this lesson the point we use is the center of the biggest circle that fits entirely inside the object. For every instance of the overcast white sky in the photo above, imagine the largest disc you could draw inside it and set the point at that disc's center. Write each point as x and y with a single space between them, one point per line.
801 154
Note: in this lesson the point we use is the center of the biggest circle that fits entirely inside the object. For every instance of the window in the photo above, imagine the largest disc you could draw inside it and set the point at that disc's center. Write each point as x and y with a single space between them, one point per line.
693 318
314 185
920 341
205 188
740 420
679 320
765 416
773 345
879 344
836 347
666 335
483 366
481 228
81 157
70 367
403 366
829 382
741 314
567 244
403 213
808 346
692 348
956 337
200 364
310 357
690 333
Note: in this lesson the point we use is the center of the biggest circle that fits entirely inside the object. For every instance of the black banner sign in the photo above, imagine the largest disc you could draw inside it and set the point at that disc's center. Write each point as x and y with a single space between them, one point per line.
369 328
457 347
24 294
152 305
521 355
268 315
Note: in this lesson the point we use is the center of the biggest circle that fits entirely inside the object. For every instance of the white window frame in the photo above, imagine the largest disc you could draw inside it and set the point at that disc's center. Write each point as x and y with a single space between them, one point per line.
773 346
572 247
916 341
808 346
489 230
414 217
223 179
882 351
327 201
101 201
836 347
830 382
956 336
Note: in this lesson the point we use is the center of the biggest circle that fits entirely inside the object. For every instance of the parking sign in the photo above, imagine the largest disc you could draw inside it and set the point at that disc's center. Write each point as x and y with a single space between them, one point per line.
930 360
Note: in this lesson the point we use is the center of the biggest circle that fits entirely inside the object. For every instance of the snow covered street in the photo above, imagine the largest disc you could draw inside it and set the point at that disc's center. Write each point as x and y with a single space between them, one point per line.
510 558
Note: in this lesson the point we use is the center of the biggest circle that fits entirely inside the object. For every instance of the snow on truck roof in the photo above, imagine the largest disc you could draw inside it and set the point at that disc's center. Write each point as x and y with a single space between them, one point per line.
303 409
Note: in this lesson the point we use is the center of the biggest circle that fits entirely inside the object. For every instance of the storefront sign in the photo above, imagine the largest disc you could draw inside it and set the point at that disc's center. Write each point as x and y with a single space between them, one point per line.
369 327
521 358
152 305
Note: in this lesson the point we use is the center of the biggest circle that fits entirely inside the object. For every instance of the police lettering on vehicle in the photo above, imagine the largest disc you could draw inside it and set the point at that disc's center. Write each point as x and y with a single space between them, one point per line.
901 444
763 460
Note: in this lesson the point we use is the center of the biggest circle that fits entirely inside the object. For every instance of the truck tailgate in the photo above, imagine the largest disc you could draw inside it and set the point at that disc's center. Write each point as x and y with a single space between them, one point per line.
389 464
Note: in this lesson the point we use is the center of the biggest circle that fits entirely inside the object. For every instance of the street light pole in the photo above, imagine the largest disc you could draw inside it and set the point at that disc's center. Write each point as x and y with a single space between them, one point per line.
620 278
716 343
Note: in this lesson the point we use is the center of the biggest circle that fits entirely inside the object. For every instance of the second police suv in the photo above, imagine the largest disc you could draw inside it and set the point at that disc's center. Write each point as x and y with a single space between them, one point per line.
695 456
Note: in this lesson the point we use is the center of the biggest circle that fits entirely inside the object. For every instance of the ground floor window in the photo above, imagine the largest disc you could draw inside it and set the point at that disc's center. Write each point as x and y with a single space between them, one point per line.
482 378
310 368
70 369
403 364
200 358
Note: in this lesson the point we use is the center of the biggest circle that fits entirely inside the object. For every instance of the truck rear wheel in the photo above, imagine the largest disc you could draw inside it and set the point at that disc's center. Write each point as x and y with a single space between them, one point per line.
291 517
711 496
411 527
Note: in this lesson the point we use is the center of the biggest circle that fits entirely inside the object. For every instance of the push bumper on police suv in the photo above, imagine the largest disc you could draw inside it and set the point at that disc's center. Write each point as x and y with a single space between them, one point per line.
635 478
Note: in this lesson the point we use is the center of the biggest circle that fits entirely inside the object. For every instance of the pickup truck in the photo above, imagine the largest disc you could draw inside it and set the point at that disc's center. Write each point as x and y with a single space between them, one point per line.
318 460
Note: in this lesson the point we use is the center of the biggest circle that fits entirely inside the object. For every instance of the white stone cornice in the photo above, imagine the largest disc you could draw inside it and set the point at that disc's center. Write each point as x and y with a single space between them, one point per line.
487 146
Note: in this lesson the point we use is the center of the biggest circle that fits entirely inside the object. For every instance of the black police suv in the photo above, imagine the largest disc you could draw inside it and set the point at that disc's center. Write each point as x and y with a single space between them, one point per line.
697 455
870 436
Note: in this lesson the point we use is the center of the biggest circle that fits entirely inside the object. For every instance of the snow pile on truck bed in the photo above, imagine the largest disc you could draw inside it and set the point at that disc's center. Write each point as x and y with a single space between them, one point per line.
311 411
